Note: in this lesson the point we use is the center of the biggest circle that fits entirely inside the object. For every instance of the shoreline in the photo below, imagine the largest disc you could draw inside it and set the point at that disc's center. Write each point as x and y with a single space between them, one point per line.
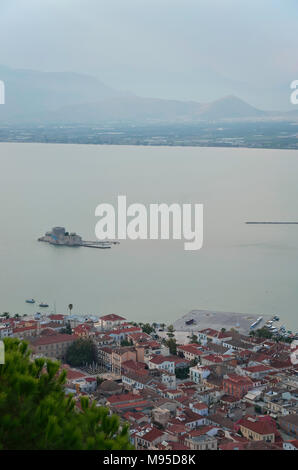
159 145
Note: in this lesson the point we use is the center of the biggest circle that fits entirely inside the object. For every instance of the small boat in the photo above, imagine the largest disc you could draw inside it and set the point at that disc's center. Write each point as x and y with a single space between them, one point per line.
256 323
30 301
43 304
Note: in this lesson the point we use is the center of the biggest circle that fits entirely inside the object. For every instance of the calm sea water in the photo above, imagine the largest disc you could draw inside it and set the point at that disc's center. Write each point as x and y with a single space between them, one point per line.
241 268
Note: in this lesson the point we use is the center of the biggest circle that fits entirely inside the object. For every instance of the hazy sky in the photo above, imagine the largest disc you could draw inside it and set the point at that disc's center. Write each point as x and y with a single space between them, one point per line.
186 49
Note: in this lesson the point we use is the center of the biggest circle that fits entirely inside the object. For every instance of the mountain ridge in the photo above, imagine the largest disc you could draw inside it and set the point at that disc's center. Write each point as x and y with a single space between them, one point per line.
69 97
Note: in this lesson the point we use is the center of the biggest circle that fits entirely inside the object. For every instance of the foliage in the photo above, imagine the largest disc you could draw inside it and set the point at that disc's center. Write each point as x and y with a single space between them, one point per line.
171 331
147 328
172 345
126 342
67 330
263 333
194 362
267 334
81 352
258 409
194 339
36 414
182 373
99 380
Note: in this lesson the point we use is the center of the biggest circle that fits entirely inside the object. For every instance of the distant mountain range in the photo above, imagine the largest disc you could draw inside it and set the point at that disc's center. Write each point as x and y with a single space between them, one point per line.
34 97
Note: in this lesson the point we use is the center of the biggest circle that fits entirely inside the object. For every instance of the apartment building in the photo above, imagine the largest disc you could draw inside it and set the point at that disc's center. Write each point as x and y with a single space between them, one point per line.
54 346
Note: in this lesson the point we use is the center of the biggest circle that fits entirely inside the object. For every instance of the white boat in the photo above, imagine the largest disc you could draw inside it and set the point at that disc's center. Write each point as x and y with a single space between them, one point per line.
253 325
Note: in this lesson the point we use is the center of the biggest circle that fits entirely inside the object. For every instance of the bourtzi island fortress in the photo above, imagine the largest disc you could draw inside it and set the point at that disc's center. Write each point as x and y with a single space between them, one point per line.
59 236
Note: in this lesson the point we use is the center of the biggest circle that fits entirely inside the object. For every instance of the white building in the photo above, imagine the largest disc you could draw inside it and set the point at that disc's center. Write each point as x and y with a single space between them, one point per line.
162 363
108 322
198 373
5 331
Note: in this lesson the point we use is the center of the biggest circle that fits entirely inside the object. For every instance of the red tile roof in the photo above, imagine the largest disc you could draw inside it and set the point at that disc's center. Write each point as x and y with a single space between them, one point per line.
134 415
25 328
152 435
82 328
258 426
72 374
111 317
124 398
159 359
200 406
138 405
239 379
56 317
213 358
120 331
53 339
209 332
177 446
190 348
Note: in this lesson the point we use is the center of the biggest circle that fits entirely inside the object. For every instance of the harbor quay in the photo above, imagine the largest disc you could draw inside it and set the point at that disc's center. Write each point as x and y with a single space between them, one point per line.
201 319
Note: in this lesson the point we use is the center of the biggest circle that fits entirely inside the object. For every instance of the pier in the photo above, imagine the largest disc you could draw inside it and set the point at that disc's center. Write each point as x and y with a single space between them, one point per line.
272 223
99 244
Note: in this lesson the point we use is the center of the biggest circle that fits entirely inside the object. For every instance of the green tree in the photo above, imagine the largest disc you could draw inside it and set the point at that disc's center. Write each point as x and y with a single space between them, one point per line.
263 333
67 330
193 339
172 345
171 331
147 328
258 409
182 373
70 306
99 380
81 352
36 414
194 362
126 342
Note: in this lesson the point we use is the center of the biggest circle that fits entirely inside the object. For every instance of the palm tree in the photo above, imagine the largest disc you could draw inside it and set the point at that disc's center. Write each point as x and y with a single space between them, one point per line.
70 308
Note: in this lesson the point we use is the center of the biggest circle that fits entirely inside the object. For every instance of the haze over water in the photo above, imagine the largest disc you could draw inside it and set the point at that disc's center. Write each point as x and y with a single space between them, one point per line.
241 268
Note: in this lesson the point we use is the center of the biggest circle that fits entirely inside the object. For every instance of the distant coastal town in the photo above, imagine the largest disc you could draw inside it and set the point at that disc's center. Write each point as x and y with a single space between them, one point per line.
186 386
